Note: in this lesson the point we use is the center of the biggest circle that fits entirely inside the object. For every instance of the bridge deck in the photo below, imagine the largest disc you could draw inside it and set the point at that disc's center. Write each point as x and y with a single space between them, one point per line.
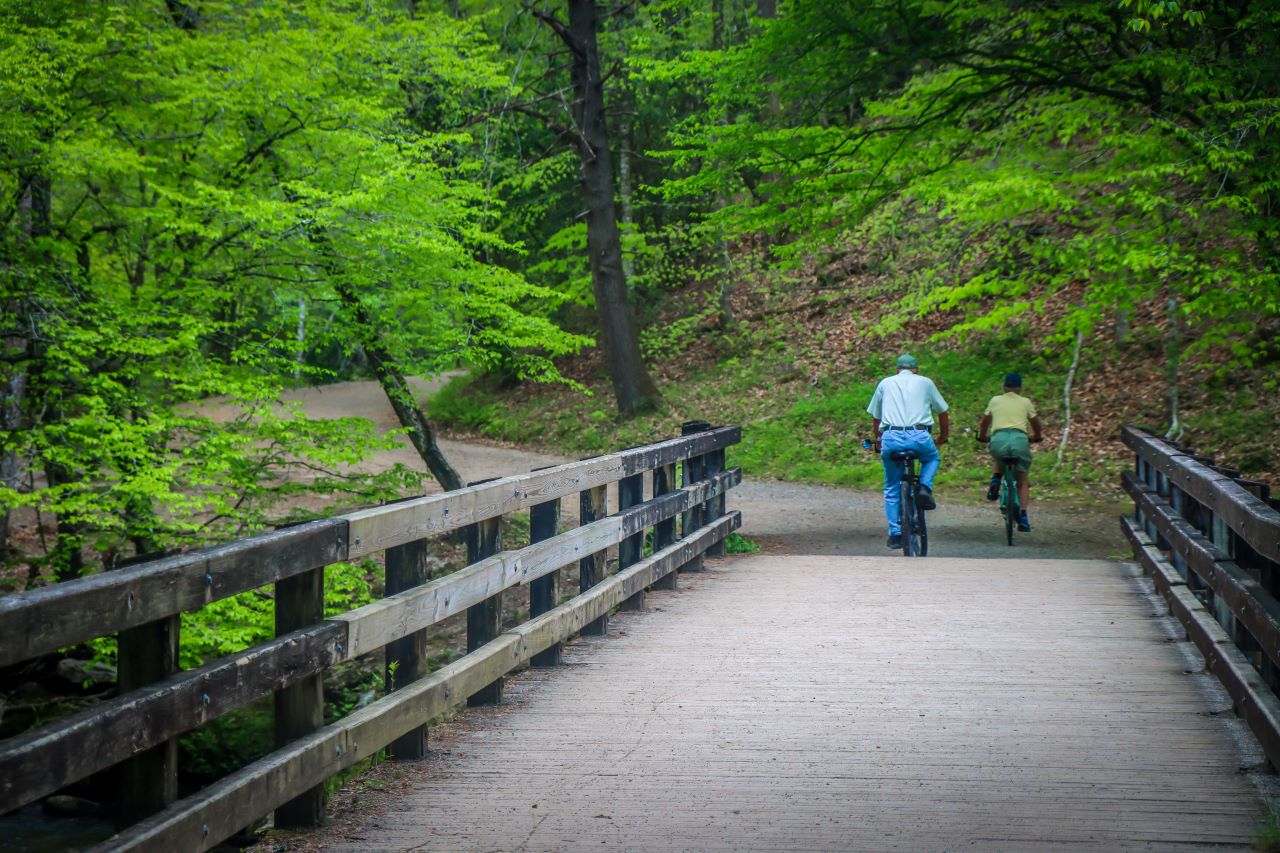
846 703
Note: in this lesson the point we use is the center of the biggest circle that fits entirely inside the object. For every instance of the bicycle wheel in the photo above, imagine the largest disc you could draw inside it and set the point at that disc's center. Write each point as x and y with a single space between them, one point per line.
906 516
921 535
1009 503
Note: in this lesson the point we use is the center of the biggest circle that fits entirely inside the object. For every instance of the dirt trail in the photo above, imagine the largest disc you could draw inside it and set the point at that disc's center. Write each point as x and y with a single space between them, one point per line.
786 518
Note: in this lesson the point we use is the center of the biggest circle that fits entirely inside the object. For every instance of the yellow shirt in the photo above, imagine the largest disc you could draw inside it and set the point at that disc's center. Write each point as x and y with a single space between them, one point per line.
1011 411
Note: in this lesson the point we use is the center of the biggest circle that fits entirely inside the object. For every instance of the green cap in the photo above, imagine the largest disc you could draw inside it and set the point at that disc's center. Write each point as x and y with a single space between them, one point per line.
906 361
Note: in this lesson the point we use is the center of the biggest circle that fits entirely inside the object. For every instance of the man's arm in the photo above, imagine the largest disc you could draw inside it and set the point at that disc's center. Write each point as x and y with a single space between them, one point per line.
984 426
1037 432
875 431
944 427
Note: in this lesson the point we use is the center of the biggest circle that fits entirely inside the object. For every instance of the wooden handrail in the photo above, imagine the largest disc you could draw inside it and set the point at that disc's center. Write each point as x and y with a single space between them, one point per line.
41 761
1212 547
43 620
202 820
149 718
1252 518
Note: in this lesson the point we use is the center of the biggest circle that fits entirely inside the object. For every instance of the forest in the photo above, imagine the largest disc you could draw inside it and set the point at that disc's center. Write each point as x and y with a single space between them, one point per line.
604 218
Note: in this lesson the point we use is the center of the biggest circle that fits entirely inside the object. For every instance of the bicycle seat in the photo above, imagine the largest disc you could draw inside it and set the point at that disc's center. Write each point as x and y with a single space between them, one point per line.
1010 459
903 455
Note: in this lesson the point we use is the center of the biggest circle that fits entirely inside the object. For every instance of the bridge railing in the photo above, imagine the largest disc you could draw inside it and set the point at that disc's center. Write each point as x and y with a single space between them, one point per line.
1210 540
136 731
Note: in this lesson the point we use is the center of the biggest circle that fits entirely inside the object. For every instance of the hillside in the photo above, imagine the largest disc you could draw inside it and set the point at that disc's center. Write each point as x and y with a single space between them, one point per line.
798 364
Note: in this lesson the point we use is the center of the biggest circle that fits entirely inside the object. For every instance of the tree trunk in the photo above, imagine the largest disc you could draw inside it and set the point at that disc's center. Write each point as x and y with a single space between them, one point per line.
624 195
1066 395
1172 365
724 297
634 388
302 337
392 379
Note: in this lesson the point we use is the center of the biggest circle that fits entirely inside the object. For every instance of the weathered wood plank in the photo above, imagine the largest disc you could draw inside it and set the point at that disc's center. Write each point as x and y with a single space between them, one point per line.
299 708
1245 513
202 820
38 621
406 657
544 523
484 619
39 762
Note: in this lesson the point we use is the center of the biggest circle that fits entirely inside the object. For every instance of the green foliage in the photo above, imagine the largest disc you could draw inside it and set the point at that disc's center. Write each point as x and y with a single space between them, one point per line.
736 543
233 624
198 199
1103 151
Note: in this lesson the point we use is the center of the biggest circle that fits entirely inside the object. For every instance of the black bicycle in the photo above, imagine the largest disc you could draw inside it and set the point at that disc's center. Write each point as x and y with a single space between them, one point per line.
915 535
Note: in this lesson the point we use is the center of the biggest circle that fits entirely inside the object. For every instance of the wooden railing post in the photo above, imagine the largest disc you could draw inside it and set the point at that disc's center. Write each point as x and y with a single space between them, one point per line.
693 470
592 506
630 493
664 532
299 708
406 658
149 781
544 523
484 620
714 507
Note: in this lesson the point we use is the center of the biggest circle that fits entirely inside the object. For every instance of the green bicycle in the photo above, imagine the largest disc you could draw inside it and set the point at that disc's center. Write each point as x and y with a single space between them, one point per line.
1009 506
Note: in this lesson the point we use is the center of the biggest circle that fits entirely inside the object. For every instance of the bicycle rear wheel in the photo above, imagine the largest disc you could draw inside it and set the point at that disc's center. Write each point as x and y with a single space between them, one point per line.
921 534
1009 503
907 517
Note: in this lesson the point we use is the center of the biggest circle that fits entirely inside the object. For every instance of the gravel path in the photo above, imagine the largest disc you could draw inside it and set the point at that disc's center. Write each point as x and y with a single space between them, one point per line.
785 518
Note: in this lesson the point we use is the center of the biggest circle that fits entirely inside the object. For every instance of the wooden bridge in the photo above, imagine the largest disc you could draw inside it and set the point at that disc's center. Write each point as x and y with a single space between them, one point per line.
814 703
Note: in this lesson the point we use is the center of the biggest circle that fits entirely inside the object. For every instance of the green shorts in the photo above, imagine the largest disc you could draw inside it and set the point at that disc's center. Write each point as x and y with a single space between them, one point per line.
1011 442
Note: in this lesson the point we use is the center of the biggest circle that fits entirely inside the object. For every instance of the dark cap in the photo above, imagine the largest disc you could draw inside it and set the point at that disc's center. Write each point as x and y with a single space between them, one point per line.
1013 380
907 361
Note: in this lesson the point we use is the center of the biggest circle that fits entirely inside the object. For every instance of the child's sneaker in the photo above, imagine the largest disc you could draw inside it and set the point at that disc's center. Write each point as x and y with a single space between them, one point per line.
993 488
1024 525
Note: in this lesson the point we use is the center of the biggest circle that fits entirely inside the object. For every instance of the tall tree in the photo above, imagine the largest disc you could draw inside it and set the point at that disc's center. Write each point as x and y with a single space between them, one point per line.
633 387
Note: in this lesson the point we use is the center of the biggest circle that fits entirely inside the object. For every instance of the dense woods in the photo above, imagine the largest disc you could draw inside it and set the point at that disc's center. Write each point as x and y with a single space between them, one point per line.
226 199
613 216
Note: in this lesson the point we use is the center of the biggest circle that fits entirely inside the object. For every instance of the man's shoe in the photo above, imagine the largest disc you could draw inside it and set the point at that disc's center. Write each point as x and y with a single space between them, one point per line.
924 497
993 488
1024 525
894 541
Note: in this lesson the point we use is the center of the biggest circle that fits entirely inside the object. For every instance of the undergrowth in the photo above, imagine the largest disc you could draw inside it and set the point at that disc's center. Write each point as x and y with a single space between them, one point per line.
791 429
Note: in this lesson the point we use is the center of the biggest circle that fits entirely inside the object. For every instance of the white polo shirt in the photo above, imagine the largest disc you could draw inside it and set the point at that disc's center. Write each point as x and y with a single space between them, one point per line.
907 399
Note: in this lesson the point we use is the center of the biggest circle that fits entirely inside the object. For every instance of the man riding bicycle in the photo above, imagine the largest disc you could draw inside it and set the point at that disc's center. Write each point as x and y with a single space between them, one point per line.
902 410
1009 420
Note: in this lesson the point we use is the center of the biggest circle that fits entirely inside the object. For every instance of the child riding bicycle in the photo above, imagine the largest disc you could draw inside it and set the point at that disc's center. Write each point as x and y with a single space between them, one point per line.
1008 427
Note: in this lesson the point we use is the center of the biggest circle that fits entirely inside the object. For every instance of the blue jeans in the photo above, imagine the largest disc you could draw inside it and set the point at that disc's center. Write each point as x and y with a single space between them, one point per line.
922 443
